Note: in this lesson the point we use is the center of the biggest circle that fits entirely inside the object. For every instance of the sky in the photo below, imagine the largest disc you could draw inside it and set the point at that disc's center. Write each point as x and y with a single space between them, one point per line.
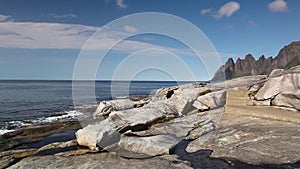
45 39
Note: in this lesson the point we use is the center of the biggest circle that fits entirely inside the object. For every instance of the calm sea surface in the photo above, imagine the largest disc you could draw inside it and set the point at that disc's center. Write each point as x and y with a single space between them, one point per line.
24 102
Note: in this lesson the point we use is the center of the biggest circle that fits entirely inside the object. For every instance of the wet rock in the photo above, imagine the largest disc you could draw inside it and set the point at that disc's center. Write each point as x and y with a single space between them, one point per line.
31 134
10 156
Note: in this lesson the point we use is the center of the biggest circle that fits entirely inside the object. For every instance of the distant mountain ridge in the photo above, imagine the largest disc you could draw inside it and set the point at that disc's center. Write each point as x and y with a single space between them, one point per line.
288 57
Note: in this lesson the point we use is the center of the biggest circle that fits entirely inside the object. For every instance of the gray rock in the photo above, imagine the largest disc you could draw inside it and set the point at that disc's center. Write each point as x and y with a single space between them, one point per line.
281 89
289 99
182 97
98 161
245 81
181 127
279 83
254 141
107 132
165 93
201 130
106 107
152 145
211 100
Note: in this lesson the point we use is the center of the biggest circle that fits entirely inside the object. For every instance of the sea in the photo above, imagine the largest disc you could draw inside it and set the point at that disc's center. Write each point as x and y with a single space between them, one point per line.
30 102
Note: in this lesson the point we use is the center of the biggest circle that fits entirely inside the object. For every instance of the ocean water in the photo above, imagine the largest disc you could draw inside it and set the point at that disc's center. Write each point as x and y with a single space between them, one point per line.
25 102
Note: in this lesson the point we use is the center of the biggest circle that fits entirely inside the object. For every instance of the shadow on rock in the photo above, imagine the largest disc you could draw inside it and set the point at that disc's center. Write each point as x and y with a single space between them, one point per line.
202 160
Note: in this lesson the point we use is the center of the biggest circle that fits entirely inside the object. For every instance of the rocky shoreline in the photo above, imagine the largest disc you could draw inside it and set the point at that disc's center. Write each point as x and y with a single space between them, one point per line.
178 127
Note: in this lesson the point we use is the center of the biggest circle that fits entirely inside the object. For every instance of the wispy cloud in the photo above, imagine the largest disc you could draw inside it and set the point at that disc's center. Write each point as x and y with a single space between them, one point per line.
43 35
278 6
70 16
121 4
130 29
227 10
4 18
206 11
252 23
35 35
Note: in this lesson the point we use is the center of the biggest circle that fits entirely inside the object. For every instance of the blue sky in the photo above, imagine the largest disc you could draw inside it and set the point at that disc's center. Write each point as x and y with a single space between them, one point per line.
43 39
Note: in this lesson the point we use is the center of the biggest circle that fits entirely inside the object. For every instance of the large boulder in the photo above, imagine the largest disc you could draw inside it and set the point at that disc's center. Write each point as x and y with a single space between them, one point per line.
288 99
211 100
281 89
107 132
182 97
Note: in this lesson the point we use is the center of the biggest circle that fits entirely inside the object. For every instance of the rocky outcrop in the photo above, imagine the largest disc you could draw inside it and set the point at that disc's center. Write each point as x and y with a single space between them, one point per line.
108 131
282 89
171 131
288 57
32 134
106 107
155 117
182 127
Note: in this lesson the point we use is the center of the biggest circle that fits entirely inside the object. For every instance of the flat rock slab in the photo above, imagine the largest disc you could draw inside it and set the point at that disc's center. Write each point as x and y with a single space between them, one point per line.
153 145
98 161
181 127
254 141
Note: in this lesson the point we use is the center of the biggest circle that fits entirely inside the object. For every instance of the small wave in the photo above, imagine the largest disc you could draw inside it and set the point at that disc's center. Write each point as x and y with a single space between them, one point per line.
3 131
68 115
15 125
121 97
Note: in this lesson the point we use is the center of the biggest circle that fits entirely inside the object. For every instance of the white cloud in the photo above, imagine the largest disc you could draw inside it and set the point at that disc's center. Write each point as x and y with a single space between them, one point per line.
130 29
121 4
4 18
71 16
35 35
44 35
278 6
206 11
226 10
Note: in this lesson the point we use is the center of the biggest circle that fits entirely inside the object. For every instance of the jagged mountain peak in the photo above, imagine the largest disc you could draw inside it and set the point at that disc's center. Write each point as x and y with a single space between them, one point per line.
287 57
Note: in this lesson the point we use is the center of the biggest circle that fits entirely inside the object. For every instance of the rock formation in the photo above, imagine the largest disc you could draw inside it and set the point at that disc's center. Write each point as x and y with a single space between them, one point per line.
287 57
173 113
281 89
